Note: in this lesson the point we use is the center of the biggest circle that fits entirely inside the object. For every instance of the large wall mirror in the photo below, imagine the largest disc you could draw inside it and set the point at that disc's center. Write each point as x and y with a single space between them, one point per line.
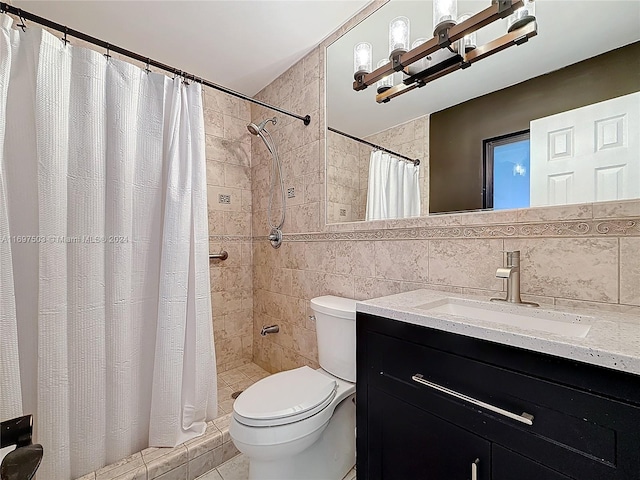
552 121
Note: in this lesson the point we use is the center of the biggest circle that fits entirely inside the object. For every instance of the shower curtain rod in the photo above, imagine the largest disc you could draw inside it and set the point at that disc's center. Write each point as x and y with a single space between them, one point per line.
69 32
415 161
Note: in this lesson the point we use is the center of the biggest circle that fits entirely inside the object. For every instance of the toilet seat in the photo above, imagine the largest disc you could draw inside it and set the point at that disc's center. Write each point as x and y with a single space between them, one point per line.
284 398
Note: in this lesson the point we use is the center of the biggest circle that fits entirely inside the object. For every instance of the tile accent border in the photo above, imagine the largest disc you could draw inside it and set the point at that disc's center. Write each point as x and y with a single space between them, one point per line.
588 228
230 238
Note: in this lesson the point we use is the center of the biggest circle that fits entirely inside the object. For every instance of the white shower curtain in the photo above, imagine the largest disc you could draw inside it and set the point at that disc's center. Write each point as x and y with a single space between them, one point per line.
105 311
394 189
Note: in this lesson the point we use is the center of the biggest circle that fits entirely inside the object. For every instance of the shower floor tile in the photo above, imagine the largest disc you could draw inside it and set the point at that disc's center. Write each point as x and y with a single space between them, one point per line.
236 380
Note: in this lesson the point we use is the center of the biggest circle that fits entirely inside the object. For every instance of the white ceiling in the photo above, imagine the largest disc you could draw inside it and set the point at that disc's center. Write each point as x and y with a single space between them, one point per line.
568 31
243 44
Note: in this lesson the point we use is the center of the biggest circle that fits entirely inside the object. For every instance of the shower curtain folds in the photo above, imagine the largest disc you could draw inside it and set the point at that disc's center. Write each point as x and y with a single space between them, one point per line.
393 189
105 311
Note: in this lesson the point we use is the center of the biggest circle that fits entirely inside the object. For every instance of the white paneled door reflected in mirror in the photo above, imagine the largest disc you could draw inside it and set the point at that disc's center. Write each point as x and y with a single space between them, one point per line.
570 87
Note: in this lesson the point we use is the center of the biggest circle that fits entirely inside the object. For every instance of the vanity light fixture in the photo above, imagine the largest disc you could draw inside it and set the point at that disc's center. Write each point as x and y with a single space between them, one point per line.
452 47
398 40
469 42
421 64
445 13
522 16
386 82
362 54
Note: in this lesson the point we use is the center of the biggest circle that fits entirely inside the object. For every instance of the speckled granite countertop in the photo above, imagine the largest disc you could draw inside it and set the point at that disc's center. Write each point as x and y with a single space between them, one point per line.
613 341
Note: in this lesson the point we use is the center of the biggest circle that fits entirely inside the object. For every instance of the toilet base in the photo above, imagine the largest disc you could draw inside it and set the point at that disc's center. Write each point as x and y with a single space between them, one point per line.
329 458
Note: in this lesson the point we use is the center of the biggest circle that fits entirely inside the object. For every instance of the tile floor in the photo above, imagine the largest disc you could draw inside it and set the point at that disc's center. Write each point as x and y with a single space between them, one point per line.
235 380
229 382
238 469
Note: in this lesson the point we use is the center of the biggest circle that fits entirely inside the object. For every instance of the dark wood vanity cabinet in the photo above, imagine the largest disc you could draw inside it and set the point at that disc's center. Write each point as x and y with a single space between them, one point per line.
433 405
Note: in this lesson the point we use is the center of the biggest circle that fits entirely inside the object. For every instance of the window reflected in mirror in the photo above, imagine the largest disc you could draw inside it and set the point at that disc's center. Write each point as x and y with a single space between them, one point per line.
506 172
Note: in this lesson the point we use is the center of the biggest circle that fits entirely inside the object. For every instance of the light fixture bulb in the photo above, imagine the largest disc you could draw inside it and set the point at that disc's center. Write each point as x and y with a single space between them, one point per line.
384 83
445 13
362 54
398 36
522 16
469 42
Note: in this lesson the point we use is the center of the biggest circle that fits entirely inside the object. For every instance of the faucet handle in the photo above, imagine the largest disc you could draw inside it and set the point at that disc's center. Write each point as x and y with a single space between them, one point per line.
504 272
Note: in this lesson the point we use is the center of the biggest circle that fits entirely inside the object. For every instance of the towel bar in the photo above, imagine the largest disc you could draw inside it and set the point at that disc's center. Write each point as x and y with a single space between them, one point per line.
223 255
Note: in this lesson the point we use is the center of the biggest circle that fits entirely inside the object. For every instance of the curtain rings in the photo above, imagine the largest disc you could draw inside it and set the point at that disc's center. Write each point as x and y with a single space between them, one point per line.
147 66
22 25
181 74
185 77
107 55
64 39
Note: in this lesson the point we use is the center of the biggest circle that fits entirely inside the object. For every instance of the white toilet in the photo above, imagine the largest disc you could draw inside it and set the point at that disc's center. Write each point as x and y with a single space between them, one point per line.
300 424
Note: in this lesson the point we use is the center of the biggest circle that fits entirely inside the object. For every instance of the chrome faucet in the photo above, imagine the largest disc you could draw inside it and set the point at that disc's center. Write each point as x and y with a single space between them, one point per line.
512 274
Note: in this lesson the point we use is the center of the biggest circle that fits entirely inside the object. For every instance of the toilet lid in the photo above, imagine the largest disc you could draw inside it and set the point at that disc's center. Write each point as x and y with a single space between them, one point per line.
284 397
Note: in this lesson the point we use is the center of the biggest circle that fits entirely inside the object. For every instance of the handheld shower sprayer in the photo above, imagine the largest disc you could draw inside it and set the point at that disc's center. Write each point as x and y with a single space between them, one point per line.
259 130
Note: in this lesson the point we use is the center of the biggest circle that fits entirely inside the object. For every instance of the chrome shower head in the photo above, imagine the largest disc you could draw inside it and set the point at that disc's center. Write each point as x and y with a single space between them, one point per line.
256 129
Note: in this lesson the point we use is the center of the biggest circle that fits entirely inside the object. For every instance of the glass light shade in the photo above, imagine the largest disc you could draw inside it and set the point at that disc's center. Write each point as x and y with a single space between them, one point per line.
522 16
445 13
423 63
384 83
362 54
469 42
398 36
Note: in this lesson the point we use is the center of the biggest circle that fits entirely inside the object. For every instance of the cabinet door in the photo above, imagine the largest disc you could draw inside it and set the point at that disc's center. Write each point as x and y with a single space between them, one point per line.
409 443
506 465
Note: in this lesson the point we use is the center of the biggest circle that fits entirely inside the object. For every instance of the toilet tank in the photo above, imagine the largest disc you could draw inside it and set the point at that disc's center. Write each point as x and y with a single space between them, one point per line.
336 333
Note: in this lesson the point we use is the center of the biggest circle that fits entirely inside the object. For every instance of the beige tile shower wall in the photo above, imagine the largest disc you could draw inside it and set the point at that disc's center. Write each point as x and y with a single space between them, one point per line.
299 150
276 280
343 179
228 150
574 256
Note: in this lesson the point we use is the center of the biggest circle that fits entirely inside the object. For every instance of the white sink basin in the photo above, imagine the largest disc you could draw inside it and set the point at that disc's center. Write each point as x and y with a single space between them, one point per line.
519 316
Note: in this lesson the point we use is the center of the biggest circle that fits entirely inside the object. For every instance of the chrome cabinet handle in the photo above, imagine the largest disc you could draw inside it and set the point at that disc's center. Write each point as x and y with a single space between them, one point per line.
474 469
525 418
